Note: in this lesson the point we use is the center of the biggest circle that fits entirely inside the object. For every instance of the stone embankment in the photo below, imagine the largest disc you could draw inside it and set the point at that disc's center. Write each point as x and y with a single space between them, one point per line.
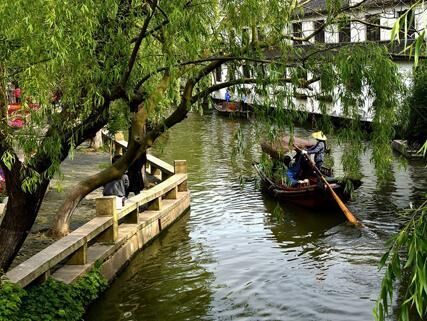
116 232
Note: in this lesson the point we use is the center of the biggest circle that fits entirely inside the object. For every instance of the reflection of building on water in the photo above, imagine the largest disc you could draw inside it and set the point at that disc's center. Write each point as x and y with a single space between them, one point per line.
371 22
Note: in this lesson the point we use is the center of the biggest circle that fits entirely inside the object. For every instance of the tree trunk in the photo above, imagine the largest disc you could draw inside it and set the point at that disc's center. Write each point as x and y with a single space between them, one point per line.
61 223
21 212
139 141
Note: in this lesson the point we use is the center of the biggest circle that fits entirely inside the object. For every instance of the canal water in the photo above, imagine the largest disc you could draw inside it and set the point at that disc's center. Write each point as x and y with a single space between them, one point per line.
237 255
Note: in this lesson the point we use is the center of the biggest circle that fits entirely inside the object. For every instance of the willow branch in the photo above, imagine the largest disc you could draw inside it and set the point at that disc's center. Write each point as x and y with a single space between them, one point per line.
242 81
137 45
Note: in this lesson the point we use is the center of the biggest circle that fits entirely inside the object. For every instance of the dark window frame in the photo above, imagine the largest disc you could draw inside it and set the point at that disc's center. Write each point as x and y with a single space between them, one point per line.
320 36
297 32
218 74
344 33
373 33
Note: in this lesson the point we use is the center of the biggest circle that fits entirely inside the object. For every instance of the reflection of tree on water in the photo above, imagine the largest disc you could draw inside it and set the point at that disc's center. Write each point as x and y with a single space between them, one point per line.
418 177
297 228
167 281
418 174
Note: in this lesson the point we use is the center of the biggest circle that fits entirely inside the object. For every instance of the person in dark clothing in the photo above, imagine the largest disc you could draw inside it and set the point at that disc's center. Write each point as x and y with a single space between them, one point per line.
136 182
293 171
117 187
318 150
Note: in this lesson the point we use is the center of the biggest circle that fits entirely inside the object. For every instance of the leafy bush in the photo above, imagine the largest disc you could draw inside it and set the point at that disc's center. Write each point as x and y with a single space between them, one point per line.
51 301
10 300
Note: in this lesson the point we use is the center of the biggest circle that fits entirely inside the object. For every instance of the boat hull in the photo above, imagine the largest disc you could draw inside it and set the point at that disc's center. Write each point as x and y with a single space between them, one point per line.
232 109
313 196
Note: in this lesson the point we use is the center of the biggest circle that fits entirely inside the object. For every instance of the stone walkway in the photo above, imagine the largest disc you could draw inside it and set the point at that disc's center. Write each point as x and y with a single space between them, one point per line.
84 164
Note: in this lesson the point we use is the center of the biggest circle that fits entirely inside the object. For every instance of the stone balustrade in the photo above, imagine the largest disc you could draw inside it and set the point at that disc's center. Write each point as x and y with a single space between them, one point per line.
115 234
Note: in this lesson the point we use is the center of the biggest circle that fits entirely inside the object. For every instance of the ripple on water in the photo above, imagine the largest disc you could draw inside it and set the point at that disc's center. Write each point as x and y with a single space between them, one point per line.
237 256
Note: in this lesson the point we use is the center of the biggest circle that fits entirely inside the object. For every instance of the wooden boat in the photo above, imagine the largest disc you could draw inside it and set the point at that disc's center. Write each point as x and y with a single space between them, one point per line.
233 109
283 144
311 195
402 147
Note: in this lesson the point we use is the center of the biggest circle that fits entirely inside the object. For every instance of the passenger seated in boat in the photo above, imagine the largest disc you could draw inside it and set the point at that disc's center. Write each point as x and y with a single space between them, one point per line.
293 169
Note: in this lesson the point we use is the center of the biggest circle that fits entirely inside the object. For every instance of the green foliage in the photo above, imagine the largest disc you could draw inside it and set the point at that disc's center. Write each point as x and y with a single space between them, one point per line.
119 117
273 168
10 300
416 125
51 301
83 49
406 260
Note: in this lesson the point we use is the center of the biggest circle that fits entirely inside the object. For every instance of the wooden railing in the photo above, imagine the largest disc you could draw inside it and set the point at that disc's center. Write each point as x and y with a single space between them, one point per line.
142 216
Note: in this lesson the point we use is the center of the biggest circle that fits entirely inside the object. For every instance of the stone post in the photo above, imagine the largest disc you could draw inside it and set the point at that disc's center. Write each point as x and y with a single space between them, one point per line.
106 206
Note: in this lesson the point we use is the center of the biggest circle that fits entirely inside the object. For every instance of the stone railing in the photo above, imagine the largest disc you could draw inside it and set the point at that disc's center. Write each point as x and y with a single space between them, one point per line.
114 235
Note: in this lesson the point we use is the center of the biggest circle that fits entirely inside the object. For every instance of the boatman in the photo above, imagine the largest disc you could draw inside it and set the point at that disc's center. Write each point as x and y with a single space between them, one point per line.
319 149
227 95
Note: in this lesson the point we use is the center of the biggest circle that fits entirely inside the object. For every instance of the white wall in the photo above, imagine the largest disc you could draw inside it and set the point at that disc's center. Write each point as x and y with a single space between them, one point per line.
358 30
307 29
358 34
331 34
387 19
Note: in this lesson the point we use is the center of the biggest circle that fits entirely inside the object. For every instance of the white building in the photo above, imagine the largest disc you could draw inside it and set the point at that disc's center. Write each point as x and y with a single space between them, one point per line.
362 24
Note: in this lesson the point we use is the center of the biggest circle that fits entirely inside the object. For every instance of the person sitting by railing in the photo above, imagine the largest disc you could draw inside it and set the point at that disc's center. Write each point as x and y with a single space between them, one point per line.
136 182
117 187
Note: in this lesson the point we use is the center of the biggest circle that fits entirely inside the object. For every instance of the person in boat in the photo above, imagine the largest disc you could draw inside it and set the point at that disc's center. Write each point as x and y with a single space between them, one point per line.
294 170
227 95
318 150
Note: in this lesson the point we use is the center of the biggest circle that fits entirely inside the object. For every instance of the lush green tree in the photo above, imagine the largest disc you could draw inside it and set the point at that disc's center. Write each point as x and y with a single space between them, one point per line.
416 126
405 261
152 60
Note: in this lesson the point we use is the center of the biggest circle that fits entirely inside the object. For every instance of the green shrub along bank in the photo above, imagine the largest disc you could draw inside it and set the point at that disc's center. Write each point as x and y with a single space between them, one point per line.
52 300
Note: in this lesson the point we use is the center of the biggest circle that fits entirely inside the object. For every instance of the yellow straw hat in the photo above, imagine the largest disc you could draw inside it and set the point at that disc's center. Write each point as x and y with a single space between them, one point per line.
318 135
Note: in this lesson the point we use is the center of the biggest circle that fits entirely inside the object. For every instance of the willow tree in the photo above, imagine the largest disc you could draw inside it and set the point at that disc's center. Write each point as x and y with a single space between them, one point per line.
152 61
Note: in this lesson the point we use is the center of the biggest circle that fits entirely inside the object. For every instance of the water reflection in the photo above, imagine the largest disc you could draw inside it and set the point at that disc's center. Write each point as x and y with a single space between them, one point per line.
174 284
235 258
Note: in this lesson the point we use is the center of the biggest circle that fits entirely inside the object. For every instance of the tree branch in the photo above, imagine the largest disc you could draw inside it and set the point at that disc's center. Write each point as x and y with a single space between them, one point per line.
138 42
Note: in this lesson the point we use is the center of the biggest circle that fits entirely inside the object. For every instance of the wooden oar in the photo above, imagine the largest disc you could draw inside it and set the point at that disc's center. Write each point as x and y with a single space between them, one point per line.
350 217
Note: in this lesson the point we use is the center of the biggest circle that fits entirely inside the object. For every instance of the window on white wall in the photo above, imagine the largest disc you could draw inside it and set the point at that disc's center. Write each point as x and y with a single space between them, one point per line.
245 36
345 32
247 71
218 74
261 34
320 36
297 32
372 28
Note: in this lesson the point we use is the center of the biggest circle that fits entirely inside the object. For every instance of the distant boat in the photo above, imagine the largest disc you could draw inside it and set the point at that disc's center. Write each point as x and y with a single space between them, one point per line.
402 147
233 109
311 195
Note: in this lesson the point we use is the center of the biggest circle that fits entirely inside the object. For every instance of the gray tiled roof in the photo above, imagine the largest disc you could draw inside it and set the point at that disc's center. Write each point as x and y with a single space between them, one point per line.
314 7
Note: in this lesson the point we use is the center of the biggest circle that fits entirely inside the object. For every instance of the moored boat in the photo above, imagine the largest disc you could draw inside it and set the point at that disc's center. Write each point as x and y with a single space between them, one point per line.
309 195
233 109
